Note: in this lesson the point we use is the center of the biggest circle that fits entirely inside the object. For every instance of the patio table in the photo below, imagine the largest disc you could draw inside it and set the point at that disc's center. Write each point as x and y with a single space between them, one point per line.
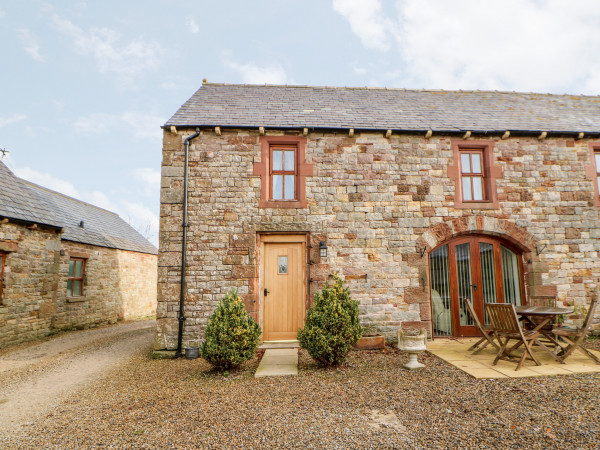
544 315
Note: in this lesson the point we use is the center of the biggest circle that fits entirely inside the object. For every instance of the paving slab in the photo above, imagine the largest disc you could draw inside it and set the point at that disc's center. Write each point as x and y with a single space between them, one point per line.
278 362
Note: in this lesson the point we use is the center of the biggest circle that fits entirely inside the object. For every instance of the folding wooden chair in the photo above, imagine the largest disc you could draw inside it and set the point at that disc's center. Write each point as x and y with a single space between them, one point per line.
575 336
543 301
505 323
486 331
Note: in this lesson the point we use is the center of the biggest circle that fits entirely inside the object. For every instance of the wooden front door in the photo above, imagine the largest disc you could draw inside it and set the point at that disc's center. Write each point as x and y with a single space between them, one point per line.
478 268
283 286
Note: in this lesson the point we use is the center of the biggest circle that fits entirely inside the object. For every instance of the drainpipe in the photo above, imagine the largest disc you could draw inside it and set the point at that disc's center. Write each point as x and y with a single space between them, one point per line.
184 227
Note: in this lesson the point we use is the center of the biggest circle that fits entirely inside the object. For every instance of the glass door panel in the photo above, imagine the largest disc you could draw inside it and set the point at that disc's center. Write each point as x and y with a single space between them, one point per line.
510 276
440 292
464 282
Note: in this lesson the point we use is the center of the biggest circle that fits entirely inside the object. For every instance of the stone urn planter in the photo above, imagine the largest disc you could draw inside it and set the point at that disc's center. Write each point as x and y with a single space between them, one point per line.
370 341
413 345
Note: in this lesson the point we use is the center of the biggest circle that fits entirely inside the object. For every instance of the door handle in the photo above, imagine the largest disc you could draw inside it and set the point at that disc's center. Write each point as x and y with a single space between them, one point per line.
474 286
265 292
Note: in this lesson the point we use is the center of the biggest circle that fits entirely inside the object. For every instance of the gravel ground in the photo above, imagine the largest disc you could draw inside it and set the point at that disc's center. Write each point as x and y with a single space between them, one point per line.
370 402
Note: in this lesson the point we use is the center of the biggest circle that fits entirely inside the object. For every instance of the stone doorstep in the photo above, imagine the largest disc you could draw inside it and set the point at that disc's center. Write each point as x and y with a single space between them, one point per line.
279 344
278 362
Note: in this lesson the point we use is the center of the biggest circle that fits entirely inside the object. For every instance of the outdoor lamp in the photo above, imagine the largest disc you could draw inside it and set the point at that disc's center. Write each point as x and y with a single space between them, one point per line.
322 249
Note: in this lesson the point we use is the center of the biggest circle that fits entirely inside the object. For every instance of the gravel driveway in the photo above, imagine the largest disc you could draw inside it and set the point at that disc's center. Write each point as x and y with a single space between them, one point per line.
371 402
35 378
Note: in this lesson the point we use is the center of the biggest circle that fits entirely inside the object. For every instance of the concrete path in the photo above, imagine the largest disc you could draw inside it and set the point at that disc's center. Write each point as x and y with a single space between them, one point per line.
278 362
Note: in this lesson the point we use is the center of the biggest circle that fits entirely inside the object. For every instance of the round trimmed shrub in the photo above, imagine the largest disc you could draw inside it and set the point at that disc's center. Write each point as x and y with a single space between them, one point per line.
231 336
332 326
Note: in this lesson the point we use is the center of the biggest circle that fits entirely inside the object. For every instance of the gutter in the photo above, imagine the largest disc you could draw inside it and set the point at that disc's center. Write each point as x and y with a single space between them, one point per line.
184 226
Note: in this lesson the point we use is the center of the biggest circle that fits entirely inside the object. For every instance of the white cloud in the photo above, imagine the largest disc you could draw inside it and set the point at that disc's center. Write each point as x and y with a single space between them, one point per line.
548 46
149 180
126 61
11 119
191 24
48 181
143 126
142 218
367 21
30 44
2 14
252 73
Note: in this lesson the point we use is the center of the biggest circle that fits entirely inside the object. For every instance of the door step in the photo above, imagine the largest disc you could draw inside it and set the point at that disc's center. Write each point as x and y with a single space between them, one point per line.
279 344
277 362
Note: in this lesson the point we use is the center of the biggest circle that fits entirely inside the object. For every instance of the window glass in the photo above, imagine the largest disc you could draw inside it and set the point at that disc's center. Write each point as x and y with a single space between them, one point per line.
466 184
476 160
597 155
283 264
277 163
598 181
277 187
465 163
76 288
70 288
477 189
289 160
78 266
289 187
71 268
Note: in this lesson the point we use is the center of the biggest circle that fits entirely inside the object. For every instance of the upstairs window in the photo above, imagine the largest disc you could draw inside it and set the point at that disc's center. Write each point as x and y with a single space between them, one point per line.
597 160
2 262
75 280
472 176
283 172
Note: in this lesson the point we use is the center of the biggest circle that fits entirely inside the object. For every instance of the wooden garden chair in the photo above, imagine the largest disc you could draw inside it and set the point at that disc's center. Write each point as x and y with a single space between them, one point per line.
546 330
486 331
504 321
575 336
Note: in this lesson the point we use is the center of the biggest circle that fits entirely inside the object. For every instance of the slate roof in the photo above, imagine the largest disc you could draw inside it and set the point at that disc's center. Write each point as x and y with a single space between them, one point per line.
23 200
230 105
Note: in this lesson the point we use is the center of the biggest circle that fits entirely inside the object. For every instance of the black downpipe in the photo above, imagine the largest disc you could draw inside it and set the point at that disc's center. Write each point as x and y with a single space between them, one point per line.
184 226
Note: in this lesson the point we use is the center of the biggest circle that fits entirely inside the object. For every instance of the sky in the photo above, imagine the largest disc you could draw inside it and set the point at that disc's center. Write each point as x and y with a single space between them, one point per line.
86 86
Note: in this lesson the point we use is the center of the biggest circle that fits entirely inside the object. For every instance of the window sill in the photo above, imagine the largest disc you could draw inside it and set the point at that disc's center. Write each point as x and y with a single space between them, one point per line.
76 299
282 204
477 205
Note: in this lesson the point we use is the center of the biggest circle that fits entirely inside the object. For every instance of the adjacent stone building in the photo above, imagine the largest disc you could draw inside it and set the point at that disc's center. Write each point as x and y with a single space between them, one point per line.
67 264
419 199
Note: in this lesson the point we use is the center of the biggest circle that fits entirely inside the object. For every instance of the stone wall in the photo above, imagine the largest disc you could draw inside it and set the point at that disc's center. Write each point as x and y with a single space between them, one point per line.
117 285
381 205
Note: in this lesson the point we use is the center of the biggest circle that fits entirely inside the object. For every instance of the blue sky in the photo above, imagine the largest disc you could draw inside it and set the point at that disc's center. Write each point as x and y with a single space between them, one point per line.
87 85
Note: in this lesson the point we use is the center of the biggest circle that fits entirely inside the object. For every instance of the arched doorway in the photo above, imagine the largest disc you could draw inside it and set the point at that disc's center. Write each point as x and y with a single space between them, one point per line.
480 268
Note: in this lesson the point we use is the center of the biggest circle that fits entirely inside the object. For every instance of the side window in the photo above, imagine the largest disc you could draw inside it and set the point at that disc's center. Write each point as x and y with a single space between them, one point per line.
2 263
75 280
283 173
597 161
474 174
592 171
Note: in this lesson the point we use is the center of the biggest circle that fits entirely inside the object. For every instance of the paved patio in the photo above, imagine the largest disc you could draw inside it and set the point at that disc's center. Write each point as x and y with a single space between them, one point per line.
455 352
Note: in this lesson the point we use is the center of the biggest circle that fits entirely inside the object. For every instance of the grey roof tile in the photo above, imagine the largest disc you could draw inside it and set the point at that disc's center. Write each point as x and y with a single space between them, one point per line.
381 108
22 200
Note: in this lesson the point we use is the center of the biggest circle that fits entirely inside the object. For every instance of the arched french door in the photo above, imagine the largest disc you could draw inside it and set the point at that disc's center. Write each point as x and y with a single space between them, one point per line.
480 268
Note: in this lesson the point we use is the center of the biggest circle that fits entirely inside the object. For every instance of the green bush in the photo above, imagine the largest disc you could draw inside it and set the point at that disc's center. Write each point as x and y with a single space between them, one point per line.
332 326
231 336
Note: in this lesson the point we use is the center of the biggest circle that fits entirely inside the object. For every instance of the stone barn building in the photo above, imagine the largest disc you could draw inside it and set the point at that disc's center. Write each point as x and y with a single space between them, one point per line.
66 264
419 199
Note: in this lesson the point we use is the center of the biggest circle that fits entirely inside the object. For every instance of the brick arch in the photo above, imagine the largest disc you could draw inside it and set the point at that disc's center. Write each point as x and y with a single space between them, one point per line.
503 228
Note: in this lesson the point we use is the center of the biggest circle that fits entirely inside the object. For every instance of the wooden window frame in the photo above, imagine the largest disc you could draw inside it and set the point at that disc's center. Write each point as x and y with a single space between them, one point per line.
593 171
471 175
3 256
283 172
263 169
73 278
490 173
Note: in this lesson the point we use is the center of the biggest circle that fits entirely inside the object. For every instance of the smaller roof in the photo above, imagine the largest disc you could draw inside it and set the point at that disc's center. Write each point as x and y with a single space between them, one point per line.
18 202
80 221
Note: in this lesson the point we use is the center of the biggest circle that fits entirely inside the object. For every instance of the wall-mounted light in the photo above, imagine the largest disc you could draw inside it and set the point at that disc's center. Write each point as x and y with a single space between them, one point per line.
322 249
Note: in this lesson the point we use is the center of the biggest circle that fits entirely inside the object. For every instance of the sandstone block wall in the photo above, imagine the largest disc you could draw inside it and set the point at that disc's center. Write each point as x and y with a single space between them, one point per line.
378 203
117 285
